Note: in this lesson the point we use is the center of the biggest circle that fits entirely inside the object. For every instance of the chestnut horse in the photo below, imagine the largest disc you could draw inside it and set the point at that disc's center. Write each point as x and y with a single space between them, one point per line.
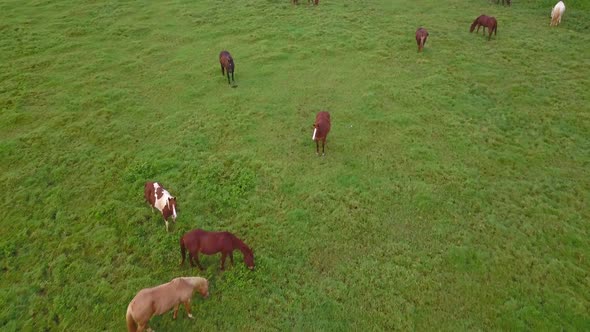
421 35
158 300
556 13
321 128
487 22
209 243
227 63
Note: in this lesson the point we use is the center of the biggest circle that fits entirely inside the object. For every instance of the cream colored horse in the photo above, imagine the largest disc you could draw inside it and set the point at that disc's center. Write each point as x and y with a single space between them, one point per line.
160 299
557 13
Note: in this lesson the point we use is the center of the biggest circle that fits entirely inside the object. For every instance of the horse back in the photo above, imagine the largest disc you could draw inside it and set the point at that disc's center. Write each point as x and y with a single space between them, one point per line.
225 58
421 33
323 124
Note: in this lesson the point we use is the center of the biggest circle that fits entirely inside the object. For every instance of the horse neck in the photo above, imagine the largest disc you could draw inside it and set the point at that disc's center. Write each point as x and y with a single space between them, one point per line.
193 281
237 243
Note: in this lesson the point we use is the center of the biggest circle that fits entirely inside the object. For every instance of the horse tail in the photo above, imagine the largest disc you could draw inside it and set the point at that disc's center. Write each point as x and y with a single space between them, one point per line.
131 326
182 250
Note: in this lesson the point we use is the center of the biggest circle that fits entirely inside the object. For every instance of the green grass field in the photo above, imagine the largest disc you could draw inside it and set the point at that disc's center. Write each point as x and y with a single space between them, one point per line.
455 193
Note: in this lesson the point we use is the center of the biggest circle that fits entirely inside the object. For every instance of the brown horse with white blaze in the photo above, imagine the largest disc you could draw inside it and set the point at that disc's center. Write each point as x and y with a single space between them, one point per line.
160 198
209 243
158 300
227 63
421 36
321 128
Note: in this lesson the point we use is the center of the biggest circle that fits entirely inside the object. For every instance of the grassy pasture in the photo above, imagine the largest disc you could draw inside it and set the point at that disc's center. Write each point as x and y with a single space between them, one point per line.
455 194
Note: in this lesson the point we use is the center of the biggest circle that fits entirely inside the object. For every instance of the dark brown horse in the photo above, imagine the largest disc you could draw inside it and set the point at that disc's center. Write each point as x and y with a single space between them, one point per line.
227 63
321 128
487 22
421 35
209 243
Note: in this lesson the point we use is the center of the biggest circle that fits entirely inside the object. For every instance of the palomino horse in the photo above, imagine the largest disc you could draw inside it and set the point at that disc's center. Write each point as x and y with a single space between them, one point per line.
557 13
227 63
487 22
321 128
160 198
209 243
421 35
158 300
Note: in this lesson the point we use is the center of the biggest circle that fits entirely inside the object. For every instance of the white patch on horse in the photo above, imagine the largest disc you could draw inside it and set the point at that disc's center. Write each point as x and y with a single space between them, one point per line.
161 203
314 132
174 212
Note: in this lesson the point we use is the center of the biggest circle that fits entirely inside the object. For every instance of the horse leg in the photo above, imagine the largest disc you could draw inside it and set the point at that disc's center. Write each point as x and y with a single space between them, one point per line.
196 256
228 82
175 311
232 77
190 259
323 147
223 256
317 148
187 307
222 72
166 221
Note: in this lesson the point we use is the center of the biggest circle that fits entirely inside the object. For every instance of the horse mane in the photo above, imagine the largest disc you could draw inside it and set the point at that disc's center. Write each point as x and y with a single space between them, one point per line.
475 23
241 245
194 281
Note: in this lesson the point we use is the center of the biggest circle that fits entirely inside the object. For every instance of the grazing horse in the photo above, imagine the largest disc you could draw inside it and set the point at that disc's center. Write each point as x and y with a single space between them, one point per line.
227 63
158 300
507 2
421 36
209 243
160 198
557 13
487 22
321 128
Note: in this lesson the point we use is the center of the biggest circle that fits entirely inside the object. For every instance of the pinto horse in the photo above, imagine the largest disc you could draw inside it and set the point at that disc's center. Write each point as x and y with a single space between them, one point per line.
158 300
487 22
557 13
321 128
421 35
209 243
160 198
227 63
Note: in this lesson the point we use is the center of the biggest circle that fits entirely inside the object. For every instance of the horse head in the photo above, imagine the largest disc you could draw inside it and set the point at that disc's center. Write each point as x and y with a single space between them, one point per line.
230 65
315 130
204 288
171 203
249 259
